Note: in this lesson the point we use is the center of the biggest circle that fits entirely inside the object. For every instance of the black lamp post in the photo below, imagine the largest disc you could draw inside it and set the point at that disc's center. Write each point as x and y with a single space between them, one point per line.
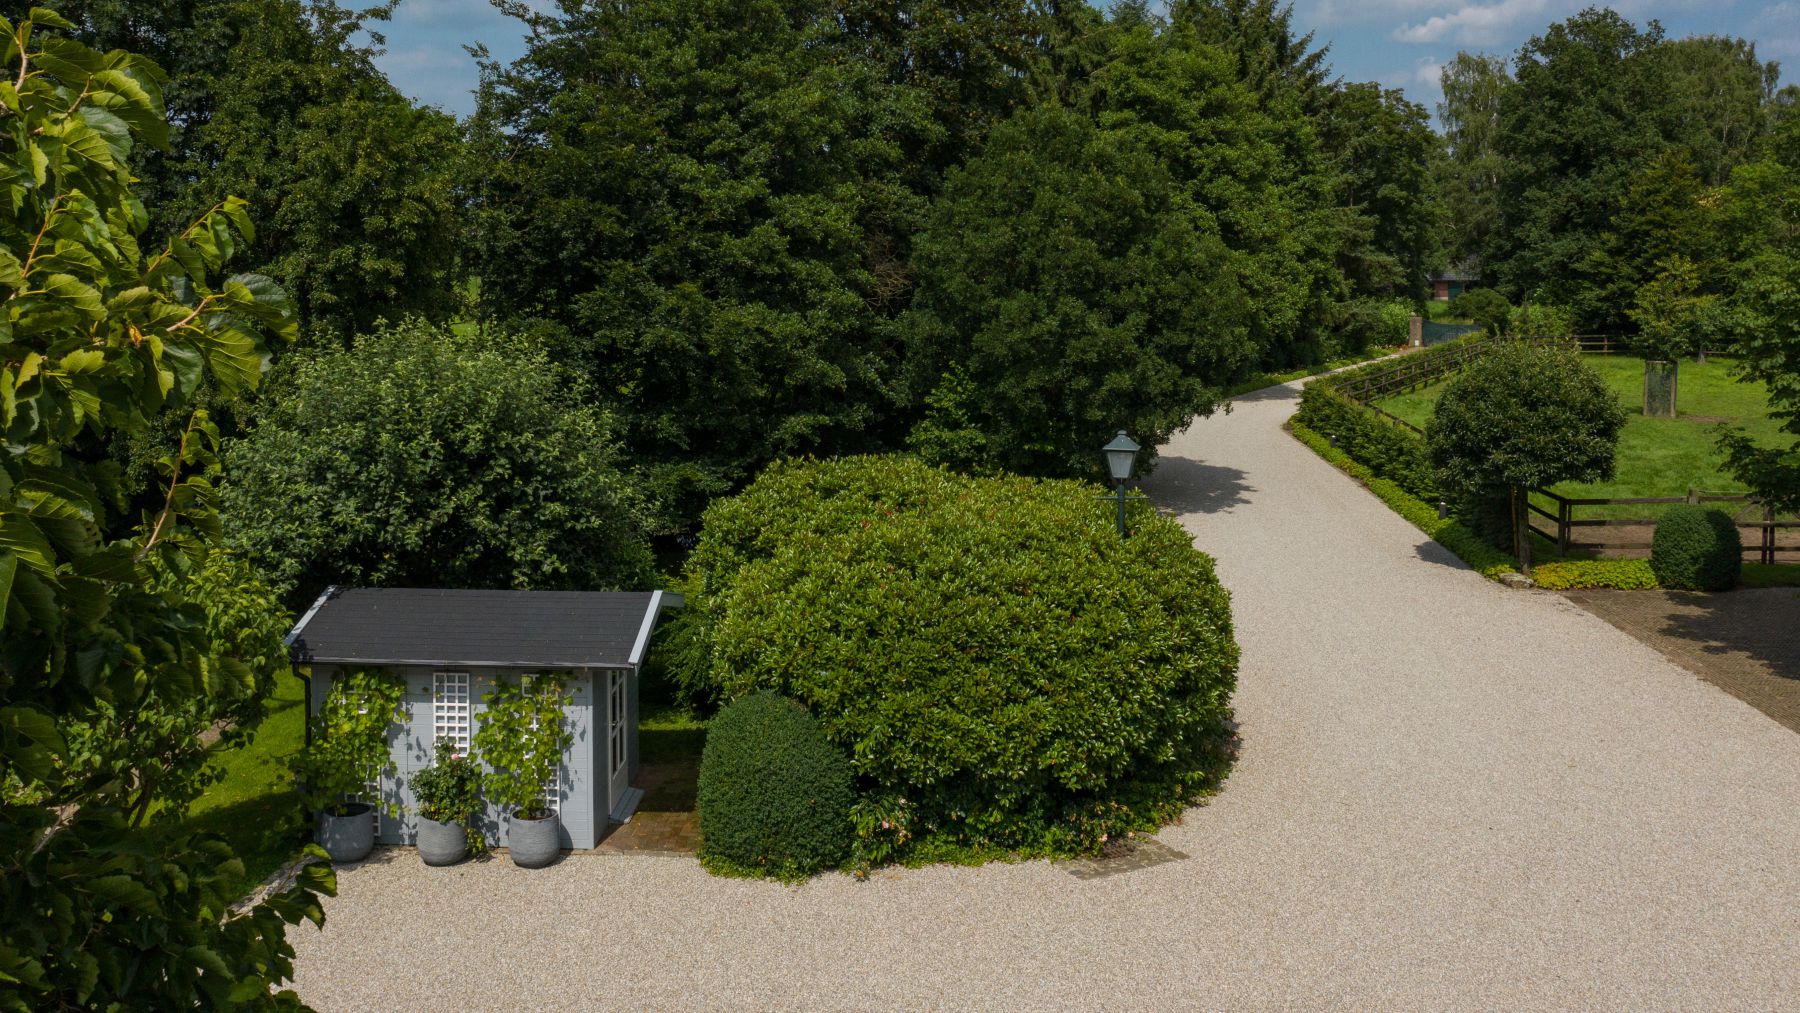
1121 454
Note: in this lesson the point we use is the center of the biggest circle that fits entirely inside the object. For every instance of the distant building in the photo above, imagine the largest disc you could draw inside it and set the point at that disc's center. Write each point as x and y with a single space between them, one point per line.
1454 282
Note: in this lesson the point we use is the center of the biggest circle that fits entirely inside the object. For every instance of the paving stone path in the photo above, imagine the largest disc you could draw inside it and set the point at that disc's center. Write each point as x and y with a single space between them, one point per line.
1450 796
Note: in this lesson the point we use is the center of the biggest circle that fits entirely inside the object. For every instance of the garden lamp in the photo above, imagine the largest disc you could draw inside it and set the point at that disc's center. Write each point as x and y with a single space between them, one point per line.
1121 454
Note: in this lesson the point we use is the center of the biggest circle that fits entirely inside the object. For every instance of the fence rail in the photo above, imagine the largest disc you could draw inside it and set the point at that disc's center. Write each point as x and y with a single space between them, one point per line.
1760 534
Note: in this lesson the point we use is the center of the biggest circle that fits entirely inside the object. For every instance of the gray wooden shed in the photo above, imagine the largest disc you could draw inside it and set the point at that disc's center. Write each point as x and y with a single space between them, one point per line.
449 647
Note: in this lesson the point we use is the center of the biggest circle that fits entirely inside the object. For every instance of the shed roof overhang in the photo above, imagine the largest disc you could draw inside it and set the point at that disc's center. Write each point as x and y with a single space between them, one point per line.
479 629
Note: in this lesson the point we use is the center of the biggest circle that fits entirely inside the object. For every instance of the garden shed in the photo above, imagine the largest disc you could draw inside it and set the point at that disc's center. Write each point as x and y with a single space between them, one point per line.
449 647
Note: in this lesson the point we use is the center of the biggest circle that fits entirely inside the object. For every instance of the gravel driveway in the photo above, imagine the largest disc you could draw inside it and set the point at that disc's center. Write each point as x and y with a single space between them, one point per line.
1451 796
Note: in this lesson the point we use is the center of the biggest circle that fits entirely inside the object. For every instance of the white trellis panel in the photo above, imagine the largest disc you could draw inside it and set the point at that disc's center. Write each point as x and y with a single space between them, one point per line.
450 712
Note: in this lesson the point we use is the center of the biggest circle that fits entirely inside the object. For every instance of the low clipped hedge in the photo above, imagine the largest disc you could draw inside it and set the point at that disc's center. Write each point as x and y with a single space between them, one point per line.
1696 549
1607 574
1389 451
1006 672
774 796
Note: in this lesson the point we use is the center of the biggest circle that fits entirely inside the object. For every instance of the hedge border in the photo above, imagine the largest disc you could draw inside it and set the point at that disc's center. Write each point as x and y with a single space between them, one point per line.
1263 381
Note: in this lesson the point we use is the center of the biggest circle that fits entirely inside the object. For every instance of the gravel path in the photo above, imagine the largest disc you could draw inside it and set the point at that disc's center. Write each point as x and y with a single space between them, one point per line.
1451 796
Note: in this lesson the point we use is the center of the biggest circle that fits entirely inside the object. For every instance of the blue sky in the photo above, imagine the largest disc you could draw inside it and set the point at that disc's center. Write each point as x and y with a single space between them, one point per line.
1400 43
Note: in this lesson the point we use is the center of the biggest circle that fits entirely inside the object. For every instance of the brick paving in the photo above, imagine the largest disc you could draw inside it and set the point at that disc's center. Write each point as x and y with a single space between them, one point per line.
665 822
1745 642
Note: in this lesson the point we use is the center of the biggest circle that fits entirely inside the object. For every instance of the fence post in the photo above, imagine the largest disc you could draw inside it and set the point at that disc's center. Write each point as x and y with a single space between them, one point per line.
1562 526
1768 533
1693 496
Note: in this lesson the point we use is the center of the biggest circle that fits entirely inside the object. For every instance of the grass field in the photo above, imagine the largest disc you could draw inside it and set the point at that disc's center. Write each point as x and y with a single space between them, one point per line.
1657 457
254 806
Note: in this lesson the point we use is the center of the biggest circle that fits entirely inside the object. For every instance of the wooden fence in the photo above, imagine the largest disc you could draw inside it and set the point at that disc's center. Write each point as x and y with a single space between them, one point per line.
1757 524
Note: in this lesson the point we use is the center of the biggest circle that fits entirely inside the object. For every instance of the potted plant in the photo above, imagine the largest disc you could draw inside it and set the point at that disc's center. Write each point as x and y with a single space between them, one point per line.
349 749
449 796
522 737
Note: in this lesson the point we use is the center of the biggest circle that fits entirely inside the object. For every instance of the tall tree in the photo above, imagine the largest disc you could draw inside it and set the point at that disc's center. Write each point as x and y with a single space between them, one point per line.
1721 93
277 102
1385 150
1585 116
1469 174
717 200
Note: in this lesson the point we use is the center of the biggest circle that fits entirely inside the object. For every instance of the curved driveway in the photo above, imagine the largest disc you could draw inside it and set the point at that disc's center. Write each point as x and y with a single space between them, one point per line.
1451 796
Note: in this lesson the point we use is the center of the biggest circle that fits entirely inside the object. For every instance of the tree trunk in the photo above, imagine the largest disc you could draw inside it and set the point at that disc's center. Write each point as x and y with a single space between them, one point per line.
1521 517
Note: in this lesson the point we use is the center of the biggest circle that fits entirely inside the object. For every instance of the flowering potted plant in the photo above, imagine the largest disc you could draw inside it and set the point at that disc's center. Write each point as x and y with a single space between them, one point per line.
349 749
449 796
522 736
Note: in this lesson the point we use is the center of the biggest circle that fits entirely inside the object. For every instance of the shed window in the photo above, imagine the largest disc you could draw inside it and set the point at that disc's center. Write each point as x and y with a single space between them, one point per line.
450 708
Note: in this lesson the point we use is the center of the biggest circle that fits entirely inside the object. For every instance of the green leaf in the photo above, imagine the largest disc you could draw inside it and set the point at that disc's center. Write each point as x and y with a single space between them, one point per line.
32 740
76 293
127 891
20 536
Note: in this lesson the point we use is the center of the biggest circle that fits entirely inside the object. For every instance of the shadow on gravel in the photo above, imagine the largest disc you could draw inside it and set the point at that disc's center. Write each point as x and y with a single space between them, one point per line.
1188 486
1279 393
1746 642
1432 552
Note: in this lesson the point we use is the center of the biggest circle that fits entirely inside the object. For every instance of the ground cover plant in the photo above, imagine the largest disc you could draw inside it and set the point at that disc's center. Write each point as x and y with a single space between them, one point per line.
774 795
1005 672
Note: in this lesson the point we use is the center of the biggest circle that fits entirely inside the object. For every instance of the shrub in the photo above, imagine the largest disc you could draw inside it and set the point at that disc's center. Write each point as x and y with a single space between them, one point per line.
422 457
1005 671
1371 323
1541 320
1612 574
774 795
1696 549
1389 451
1522 417
1484 306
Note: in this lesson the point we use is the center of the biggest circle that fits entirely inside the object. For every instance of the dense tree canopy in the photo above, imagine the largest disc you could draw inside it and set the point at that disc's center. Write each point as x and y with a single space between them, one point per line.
277 102
1069 287
419 457
637 189
1600 158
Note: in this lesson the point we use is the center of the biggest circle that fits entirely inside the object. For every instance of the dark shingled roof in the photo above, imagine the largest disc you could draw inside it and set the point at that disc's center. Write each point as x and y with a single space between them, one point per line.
548 629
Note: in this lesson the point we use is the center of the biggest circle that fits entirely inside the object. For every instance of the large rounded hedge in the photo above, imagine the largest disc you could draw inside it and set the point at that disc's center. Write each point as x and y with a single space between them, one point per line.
774 796
1004 671
1696 549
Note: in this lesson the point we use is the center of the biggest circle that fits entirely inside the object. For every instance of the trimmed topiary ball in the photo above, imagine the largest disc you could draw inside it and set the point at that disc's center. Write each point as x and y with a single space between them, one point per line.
1695 549
774 796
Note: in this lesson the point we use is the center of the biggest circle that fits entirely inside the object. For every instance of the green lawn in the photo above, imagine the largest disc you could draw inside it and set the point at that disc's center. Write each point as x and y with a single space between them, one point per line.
254 806
1657 457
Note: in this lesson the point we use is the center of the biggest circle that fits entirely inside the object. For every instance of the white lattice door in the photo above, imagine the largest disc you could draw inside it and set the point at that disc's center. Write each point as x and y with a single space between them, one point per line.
618 730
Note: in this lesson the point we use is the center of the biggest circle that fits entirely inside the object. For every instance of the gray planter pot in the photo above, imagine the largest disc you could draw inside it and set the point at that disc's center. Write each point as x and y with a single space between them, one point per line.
533 844
442 843
350 837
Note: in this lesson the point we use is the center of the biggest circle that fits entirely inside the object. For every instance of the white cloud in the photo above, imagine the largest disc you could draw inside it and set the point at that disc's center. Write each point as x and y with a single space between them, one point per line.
1476 24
